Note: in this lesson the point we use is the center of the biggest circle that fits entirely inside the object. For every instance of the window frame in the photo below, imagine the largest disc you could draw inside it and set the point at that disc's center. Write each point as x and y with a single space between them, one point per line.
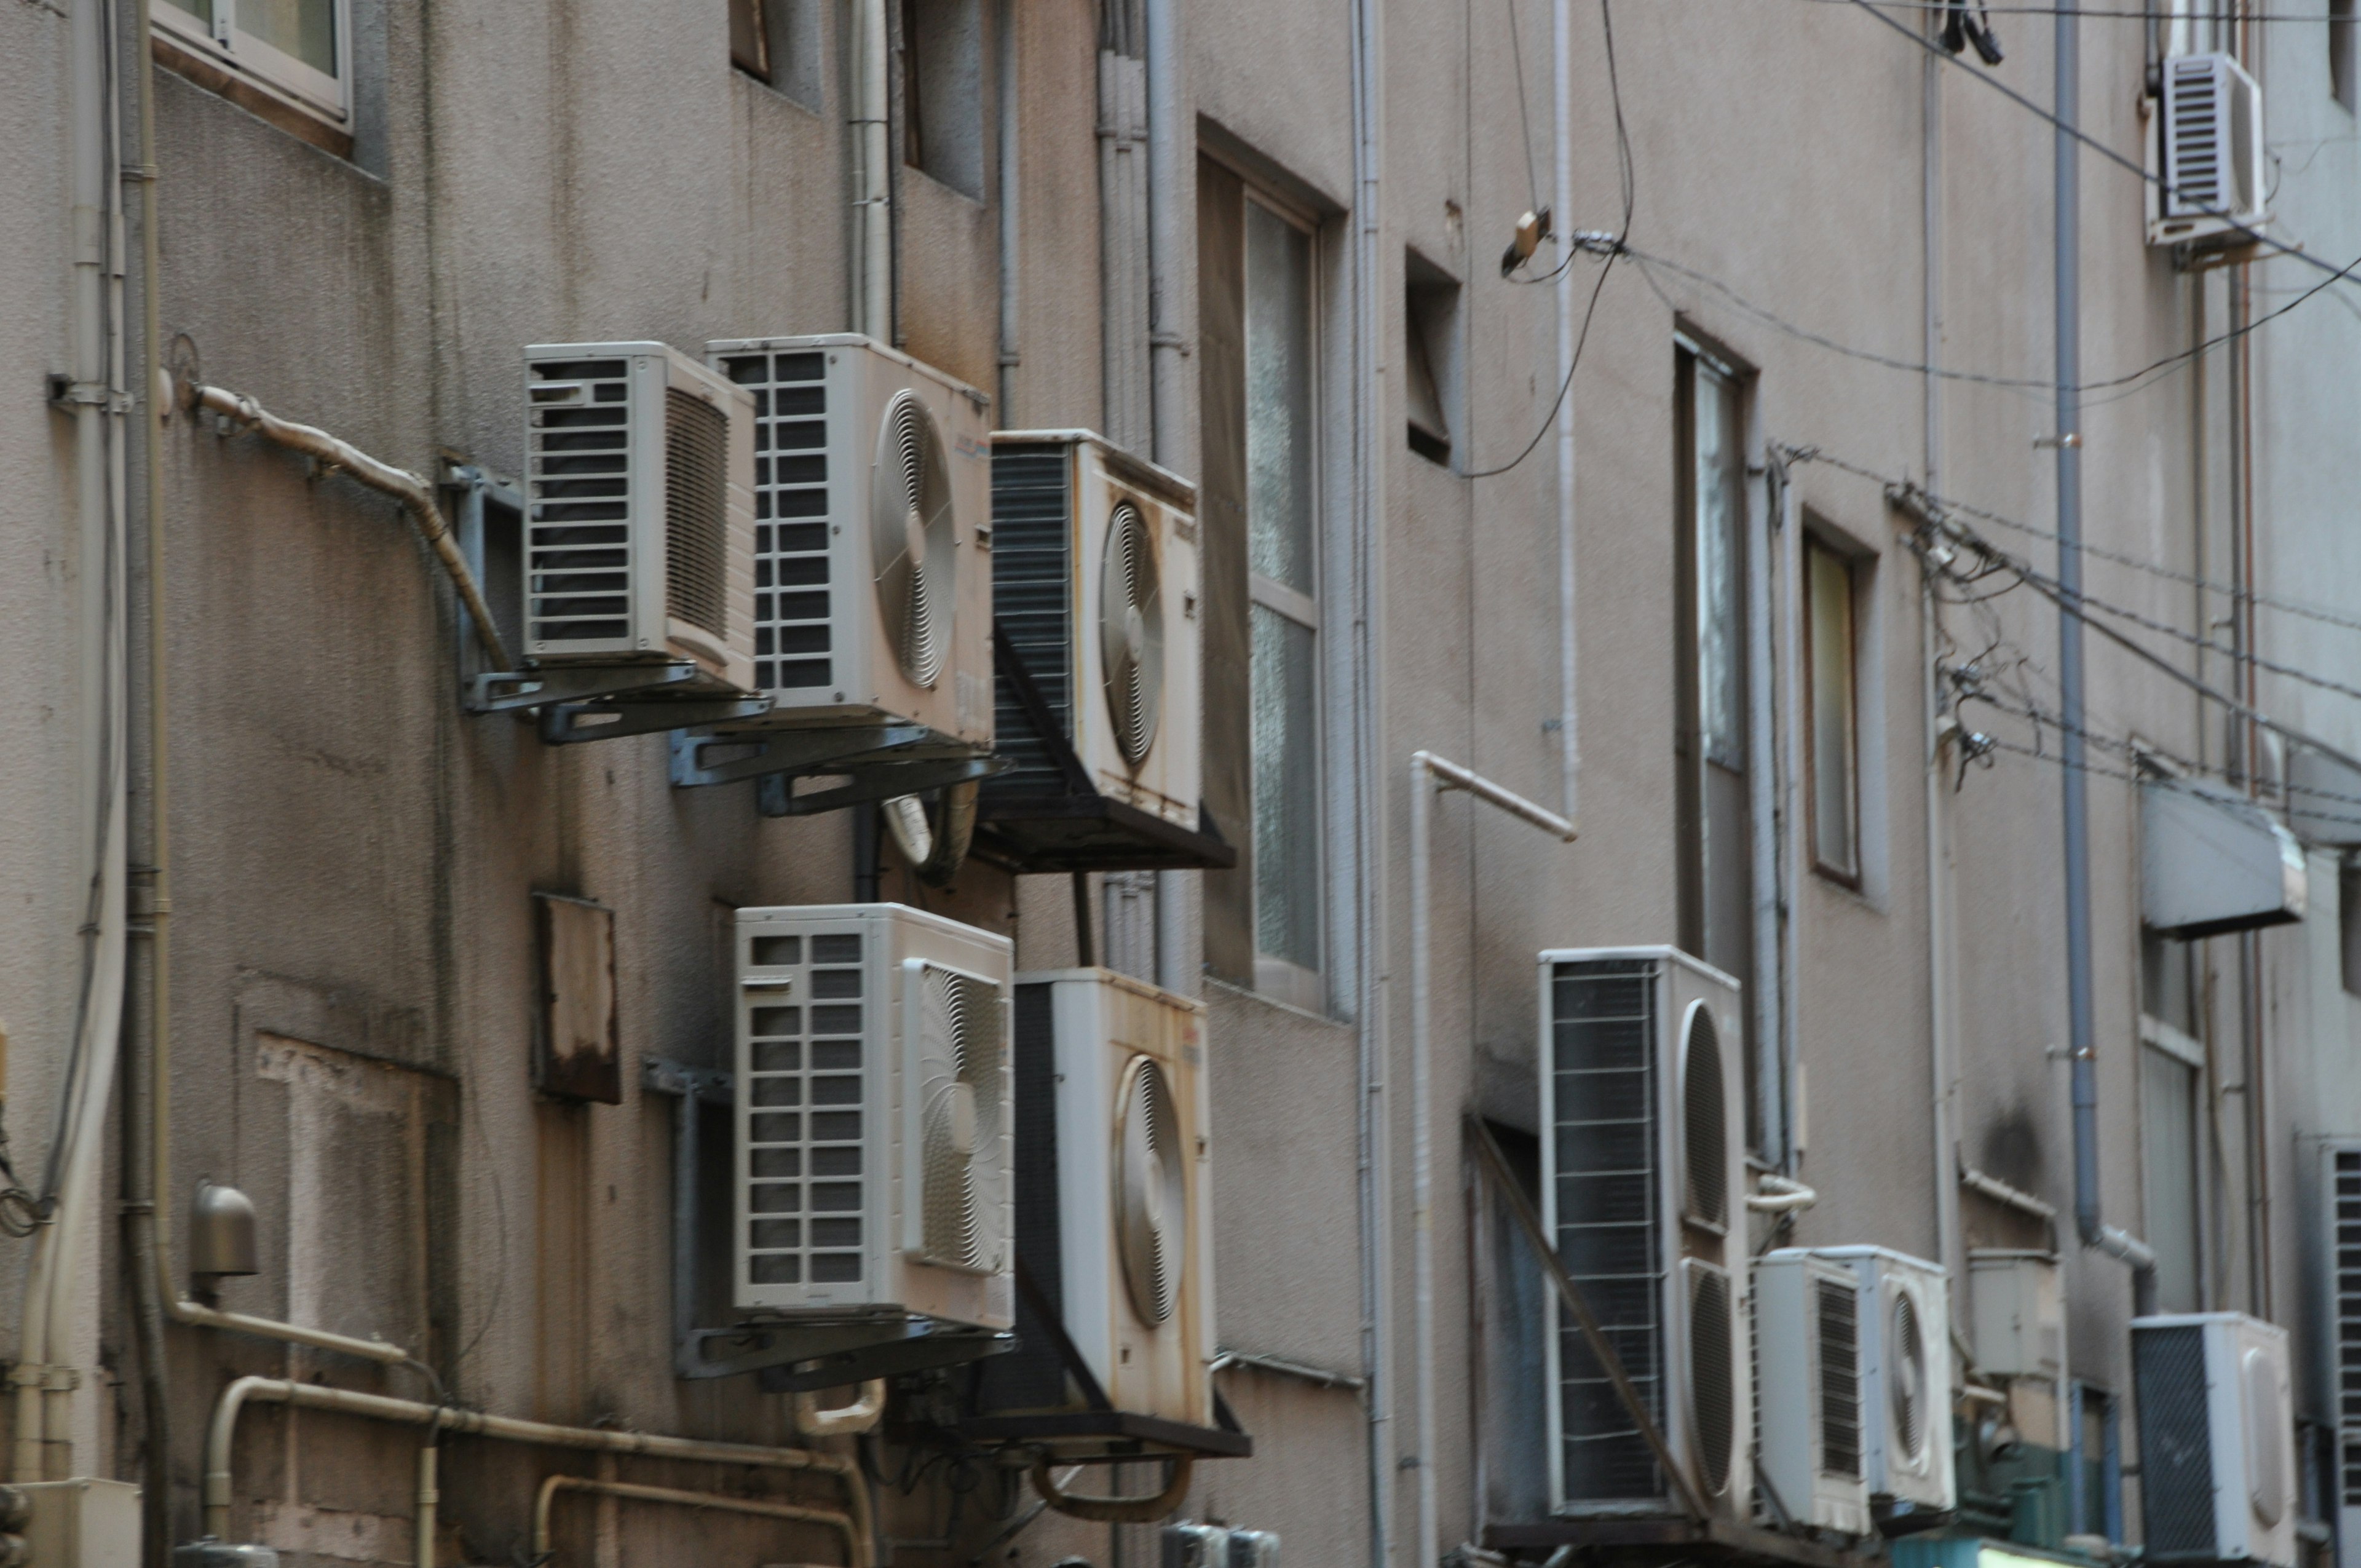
251 59
1850 562
2189 1054
1282 978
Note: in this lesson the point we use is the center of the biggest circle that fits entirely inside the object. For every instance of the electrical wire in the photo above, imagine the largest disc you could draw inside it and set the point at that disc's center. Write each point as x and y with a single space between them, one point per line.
2101 149
1524 114
1629 177
2301 609
2073 605
2052 10
2170 362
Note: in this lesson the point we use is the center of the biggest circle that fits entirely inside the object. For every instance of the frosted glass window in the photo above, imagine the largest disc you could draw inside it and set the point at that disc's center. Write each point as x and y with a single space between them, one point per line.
1829 650
1286 791
2169 1174
1279 398
1721 568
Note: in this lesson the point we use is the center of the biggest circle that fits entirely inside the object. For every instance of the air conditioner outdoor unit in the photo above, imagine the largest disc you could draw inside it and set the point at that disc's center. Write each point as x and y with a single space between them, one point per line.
873 570
873 1117
1902 1328
639 530
1642 1160
1095 582
2218 1479
1113 1187
2209 152
1807 1370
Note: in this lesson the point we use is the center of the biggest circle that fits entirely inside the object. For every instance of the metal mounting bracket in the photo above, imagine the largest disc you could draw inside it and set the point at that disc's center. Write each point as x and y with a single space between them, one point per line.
505 691
572 723
701 757
774 794
878 761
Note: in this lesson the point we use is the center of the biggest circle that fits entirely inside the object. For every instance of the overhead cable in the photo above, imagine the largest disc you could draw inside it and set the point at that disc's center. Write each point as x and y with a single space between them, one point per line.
2299 607
2101 149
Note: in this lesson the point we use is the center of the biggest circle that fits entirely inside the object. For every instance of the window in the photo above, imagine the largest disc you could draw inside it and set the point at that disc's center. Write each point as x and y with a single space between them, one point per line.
265 55
1831 651
2169 1166
1710 795
942 91
1280 456
1431 344
2341 85
778 41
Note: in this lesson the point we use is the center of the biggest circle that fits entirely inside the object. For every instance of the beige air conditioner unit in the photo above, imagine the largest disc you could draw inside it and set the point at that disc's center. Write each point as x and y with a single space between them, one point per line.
1642 1155
2207 151
640 528
1095 582
873 565
874 1117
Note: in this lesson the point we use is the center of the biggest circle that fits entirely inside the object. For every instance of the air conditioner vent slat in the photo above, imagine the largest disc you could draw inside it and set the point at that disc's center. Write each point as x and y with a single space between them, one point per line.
1840 1329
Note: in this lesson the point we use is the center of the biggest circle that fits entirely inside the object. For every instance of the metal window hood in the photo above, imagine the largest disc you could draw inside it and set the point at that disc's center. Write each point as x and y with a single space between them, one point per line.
2214 860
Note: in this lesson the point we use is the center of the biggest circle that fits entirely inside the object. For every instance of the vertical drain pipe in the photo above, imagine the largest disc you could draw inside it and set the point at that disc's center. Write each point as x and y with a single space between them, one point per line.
44 1383
2082 1032
1367 19
1568 731
1169 237
873 206
2066 284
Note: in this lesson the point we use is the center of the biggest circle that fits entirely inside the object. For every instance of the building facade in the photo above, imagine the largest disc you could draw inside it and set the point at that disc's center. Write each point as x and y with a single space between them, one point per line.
1691 578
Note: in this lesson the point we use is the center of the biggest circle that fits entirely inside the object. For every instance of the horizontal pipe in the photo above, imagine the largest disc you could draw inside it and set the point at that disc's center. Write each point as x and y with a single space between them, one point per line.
415 495
1282 1366
477 1423
2000 1191
1778 1195
855 1553
184 1310
1448 774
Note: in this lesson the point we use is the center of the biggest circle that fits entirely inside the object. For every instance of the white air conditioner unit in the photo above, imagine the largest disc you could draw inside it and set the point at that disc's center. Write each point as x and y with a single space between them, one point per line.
640 525
1903 1330
874 1117
1114 1187
2209 151
1642 1162
2218 1480
1807 1371
1095 584
872 571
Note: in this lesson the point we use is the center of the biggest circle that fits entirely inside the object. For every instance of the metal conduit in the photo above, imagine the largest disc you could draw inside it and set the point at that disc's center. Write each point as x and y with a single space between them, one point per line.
477 1423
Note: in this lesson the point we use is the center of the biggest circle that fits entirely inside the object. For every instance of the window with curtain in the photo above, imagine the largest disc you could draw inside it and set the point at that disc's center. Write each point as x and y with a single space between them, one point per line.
1831 647
299 48
1282 584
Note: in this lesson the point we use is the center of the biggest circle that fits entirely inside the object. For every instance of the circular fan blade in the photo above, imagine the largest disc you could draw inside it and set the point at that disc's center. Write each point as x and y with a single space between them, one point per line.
913 537
1151 1193
1131 632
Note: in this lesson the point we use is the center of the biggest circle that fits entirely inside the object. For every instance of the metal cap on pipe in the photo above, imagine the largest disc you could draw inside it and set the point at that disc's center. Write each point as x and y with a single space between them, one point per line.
222 1232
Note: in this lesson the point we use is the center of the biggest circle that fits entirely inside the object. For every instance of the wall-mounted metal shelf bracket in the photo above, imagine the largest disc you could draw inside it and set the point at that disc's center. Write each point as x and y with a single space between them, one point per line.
572 723
510 691
877 762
